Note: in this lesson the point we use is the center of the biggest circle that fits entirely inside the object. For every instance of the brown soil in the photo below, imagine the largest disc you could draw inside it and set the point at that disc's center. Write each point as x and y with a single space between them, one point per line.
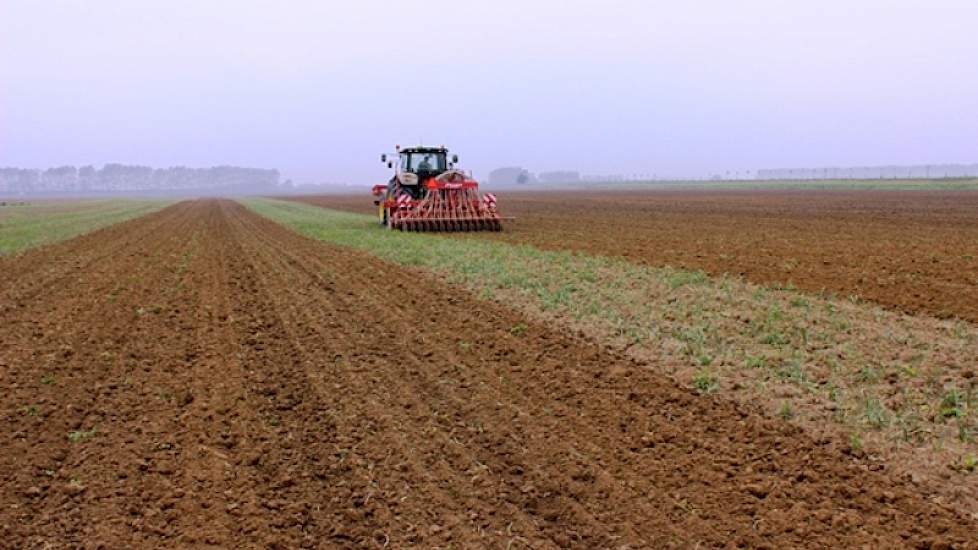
204 377
912 251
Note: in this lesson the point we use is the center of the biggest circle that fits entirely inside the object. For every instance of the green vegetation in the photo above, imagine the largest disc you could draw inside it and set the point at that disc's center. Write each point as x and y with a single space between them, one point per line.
78 436
819 358
875 414
953 404
755 362
35 224
706 381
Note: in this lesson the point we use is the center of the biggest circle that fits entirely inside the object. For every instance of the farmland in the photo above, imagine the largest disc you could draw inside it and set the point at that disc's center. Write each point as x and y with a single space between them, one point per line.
271 373
910 251
28 224
858 374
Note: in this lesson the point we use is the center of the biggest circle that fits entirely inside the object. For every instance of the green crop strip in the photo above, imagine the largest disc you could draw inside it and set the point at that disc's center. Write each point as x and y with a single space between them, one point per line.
878 373
36 224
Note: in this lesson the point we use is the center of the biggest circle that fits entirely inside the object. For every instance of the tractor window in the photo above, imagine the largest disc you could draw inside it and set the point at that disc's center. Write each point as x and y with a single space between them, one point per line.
423 162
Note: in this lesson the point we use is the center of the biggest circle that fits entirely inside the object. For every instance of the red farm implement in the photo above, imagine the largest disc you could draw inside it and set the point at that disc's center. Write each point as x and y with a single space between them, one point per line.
427 193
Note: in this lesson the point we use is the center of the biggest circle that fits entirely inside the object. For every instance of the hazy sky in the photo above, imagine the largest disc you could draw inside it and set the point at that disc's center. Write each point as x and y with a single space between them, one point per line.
318 88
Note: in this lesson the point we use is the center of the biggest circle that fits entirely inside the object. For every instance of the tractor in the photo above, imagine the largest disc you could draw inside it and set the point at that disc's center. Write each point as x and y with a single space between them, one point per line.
427 193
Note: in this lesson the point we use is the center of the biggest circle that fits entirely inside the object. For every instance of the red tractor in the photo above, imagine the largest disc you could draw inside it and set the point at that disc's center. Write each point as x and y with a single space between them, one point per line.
427 193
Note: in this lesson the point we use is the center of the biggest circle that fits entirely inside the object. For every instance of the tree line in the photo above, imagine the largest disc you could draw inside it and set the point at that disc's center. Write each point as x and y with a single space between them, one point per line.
120 178
920 171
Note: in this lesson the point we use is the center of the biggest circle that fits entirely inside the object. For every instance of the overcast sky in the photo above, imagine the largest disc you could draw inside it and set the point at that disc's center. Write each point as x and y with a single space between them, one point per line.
319 88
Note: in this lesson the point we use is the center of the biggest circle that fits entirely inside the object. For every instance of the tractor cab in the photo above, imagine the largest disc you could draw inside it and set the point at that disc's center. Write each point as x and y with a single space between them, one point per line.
423 162
416 165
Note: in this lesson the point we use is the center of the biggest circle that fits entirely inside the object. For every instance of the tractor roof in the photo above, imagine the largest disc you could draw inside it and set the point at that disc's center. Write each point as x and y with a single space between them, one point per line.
421 149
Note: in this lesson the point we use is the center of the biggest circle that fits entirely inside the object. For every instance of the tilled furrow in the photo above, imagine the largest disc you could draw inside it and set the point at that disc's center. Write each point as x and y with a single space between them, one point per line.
104 402
527 467
53 268
77 361
395 467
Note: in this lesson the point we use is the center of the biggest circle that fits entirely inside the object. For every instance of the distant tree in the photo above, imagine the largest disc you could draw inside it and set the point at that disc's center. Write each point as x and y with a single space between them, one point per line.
62 178
87 178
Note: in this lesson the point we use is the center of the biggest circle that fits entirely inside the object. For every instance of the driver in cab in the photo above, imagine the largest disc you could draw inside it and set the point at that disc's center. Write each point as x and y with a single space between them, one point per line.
425 164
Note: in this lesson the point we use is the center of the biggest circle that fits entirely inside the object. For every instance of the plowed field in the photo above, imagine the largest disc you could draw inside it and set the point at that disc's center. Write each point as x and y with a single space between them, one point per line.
911 251
201 376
